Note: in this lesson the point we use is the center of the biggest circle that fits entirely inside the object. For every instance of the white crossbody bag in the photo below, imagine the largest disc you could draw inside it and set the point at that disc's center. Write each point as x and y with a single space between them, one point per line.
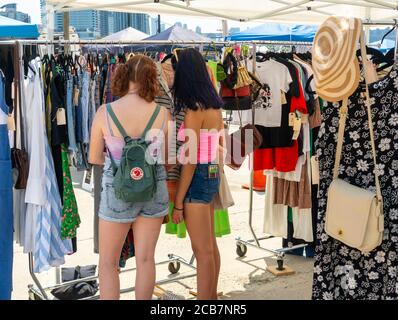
354 215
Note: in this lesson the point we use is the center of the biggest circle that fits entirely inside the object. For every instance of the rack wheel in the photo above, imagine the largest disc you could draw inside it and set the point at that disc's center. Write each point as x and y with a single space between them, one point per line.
241 250
174 267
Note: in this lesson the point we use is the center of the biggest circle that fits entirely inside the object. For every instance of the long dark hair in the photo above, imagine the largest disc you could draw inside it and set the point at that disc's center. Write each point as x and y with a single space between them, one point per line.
193 88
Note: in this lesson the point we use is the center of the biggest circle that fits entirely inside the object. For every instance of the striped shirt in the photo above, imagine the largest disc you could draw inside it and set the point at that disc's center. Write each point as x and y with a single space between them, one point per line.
165 100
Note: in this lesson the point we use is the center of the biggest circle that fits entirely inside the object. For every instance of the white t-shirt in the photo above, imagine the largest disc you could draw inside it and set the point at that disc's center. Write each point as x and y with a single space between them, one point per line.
277 76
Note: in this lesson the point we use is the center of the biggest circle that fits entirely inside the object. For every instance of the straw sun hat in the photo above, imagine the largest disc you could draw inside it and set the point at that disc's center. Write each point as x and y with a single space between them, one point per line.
336 67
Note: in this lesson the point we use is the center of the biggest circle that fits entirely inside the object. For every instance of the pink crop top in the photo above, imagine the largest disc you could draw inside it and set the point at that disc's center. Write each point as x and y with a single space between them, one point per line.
115 145
208 146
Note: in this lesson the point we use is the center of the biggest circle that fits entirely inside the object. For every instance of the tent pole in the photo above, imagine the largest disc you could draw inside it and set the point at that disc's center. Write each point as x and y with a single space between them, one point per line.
204 12
278 11
383 3
66 32
352 3
50 26
224 28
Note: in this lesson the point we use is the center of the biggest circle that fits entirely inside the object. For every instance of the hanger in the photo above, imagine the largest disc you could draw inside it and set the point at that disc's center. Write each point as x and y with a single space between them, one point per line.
389 32
377 55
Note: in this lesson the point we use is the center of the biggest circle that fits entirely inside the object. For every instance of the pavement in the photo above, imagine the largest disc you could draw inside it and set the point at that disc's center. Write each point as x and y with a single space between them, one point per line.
244 278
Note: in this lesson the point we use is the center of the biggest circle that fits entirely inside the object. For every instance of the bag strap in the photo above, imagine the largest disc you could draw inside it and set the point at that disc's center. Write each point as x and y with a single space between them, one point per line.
342 124
340 137
370 122
117 122
151 122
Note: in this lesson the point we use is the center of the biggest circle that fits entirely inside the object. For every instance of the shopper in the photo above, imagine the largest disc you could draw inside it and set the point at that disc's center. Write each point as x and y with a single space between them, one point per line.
137 85
195 94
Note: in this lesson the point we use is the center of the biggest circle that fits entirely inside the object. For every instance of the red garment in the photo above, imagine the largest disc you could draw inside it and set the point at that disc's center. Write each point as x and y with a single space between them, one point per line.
282 159
299 103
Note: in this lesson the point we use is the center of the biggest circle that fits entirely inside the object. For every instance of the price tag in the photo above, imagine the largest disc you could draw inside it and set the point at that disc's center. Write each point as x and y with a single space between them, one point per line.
292 117
283 98
61 117
13 91
315 169
297 124
76 97
304 118
11 123
296 128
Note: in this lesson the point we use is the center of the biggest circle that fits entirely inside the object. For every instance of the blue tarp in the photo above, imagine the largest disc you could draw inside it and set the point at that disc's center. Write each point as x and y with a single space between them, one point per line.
276 32
13 29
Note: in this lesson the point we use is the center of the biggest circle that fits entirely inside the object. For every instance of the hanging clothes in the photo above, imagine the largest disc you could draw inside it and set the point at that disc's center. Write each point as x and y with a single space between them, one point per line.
70 216
43 213
340 271
6 200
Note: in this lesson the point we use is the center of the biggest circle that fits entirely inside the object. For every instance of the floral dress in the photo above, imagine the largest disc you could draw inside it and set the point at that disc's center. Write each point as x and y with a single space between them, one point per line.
70 215
341 272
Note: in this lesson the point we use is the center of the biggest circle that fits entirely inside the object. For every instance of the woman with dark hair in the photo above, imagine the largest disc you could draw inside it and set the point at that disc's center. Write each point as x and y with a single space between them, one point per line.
195 93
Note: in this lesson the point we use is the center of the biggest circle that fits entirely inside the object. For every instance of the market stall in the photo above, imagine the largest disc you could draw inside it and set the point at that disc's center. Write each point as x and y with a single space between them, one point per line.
341 271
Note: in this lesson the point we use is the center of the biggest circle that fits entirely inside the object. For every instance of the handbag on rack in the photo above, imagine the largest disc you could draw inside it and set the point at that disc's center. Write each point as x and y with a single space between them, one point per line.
242 142
354 215
234 92
244 79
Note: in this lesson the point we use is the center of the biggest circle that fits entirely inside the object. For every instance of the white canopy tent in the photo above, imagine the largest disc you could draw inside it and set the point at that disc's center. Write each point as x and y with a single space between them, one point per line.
299 11
126 34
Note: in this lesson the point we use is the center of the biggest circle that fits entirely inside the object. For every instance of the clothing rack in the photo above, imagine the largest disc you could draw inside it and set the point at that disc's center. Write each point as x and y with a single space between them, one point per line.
39 292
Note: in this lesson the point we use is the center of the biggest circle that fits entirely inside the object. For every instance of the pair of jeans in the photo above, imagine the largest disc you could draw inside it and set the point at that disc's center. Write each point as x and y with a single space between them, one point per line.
6 205
205 184
85 100
80 160
70 114
78 109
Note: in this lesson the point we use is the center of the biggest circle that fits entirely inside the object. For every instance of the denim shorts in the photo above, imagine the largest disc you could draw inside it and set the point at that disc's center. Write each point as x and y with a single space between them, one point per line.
204 187
115 210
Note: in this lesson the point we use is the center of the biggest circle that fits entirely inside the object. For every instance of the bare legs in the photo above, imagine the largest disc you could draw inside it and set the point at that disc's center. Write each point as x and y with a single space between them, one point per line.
111 240
199 219
217 257
146 234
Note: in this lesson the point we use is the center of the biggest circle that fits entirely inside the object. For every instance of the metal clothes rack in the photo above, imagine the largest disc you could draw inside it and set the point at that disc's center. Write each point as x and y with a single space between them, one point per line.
241 245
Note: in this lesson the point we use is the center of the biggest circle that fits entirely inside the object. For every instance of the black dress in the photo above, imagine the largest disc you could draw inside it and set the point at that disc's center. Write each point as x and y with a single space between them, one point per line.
342 272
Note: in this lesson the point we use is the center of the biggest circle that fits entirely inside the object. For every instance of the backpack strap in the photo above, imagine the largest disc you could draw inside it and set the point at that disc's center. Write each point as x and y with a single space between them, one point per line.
117 122
151 122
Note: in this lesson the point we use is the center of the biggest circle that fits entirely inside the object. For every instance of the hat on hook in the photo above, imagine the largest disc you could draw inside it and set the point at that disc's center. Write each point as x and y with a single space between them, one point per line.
334 61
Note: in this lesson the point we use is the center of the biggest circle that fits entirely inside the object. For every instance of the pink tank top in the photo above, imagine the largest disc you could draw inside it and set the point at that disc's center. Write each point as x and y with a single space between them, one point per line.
115 145
208 146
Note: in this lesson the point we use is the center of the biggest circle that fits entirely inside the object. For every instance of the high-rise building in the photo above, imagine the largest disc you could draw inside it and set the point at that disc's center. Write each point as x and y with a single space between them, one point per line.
43 12
185 26
111 22
92 24
86 23
140 21
154 26
198 30
10 11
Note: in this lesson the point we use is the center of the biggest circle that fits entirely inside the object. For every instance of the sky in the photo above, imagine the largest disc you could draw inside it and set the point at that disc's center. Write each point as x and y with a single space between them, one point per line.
207 25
